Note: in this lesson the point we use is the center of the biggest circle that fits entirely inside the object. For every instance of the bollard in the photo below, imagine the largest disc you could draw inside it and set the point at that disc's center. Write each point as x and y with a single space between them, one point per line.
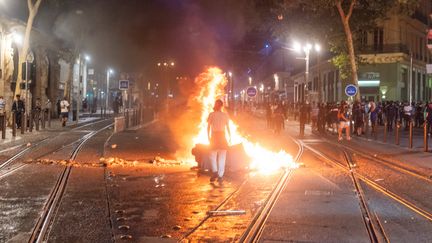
37 116
13 124
23 122
410 134
375 130
43 120
49 117
31 121
3 125
385 132
425 137
397 140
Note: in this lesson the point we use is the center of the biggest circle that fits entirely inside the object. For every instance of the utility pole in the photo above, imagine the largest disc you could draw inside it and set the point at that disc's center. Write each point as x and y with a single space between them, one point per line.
410 79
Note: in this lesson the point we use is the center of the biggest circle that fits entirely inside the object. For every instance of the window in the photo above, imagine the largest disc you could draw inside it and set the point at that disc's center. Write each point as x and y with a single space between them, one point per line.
378 39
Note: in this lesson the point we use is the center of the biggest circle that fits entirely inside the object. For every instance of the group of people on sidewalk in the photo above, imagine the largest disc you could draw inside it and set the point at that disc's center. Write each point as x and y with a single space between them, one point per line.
338 116
19 110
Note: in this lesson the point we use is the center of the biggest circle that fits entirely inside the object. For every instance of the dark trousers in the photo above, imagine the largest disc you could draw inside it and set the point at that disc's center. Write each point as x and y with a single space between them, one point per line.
302 128
18 117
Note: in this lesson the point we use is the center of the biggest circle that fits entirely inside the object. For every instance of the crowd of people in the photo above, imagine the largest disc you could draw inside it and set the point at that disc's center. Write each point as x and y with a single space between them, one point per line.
338 117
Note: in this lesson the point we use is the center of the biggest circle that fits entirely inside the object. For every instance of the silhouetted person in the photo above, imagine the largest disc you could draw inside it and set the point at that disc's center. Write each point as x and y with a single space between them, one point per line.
18 107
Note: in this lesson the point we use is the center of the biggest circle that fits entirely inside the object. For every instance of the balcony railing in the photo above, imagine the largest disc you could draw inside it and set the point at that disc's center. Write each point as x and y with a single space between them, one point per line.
379 49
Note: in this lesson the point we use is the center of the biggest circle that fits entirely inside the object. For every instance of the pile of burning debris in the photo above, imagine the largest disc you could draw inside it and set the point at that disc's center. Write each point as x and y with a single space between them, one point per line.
236 161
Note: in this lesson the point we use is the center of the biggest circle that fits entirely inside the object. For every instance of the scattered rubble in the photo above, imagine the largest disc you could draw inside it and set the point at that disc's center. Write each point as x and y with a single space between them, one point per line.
106 162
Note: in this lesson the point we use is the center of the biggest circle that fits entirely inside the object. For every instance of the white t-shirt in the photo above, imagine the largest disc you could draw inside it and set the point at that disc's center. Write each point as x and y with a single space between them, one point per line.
217 121
407 110
64 106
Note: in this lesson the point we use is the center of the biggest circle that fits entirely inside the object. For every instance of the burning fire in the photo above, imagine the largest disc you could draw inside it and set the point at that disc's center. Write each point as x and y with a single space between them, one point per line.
212 83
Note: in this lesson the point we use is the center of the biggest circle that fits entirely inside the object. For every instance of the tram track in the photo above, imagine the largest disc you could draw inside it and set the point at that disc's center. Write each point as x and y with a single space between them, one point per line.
42 227
255 228
380 188
7 171
384 162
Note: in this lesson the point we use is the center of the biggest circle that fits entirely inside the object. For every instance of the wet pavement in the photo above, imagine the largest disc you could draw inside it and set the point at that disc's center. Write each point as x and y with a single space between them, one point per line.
118 191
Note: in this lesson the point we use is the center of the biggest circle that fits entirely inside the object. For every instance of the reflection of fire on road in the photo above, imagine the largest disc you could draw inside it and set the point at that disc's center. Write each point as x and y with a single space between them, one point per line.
211 84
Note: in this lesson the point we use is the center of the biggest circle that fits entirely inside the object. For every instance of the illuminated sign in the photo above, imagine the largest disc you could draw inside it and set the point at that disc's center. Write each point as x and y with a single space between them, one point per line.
124 84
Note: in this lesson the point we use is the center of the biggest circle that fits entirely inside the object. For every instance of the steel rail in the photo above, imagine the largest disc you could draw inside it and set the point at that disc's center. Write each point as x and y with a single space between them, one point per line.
427 215
43 224
385 162
256 227
208 216
27 149
364 208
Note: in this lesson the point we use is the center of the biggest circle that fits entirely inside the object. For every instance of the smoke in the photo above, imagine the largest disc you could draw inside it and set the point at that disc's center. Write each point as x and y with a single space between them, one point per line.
186 121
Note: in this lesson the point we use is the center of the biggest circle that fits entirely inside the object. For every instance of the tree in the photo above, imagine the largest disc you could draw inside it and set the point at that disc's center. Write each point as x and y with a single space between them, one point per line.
33 7
340 22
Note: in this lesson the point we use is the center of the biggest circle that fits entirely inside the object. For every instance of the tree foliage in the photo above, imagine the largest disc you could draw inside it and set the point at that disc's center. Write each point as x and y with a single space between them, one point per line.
333 22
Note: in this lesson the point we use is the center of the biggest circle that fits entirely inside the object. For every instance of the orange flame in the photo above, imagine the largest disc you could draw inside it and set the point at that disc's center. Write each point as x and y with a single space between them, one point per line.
212 83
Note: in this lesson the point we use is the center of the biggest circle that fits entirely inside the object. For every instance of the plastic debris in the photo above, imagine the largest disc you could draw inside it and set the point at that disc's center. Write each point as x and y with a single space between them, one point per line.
124 227
126 237
226 212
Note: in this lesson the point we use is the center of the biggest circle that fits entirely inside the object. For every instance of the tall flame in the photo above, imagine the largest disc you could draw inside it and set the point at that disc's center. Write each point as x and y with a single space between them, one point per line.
212 83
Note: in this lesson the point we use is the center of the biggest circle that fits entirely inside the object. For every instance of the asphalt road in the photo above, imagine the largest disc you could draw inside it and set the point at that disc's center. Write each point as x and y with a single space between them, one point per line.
116 191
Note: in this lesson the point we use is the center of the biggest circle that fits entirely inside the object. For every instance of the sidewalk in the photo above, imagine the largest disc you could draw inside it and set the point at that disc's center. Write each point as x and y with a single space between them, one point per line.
35 136
413 159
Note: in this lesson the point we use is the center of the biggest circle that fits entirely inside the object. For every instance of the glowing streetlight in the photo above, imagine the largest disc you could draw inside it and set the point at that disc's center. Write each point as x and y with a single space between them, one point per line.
109 71
17 38
159 64
172 63
297 46
306 49
87 58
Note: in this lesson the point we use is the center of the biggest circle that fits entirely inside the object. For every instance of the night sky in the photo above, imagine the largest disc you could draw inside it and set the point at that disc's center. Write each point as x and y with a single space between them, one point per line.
133 35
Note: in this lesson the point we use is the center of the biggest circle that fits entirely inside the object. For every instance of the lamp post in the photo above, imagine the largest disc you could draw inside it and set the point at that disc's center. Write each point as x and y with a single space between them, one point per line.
109 71
306 49
82 72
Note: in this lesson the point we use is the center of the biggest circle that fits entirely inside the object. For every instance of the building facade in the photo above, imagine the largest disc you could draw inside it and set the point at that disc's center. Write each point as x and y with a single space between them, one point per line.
393 59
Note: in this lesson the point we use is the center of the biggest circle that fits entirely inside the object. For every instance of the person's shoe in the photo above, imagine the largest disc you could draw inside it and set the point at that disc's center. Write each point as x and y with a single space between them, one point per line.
340 139
220 179
213 178
348 139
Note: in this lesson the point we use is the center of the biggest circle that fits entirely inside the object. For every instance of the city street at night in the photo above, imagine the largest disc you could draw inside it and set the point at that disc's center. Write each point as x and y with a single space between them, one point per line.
215 121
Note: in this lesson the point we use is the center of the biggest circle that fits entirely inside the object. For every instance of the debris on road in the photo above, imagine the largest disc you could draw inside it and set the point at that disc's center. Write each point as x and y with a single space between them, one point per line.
226 212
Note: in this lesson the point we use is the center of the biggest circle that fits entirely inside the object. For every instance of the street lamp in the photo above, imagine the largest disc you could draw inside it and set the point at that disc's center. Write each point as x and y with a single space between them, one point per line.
306 49
109 71
17 38
82 72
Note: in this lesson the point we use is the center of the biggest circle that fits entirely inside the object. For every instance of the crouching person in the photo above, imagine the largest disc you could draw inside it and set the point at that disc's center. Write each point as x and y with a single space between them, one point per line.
218 123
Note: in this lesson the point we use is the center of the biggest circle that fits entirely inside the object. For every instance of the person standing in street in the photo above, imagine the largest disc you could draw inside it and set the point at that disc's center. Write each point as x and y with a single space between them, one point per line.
64 106
407 113
2 112
19 108
218 123
344 122
428 117
303 110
